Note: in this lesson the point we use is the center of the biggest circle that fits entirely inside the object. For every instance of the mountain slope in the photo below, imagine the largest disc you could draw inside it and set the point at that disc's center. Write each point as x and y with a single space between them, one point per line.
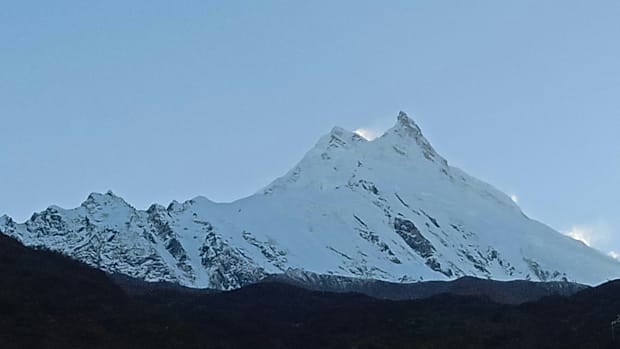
503 292
389 209
69 305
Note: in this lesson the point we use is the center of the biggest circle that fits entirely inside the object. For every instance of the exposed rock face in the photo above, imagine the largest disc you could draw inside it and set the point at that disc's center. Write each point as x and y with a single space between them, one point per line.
389 209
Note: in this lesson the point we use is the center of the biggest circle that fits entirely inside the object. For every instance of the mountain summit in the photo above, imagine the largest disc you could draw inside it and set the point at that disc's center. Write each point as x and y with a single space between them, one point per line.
389 209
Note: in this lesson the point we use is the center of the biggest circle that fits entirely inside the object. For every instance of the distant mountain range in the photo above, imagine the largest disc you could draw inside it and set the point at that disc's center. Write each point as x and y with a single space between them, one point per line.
390 209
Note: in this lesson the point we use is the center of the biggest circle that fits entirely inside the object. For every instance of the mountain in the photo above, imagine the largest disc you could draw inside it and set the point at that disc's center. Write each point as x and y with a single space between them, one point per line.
504 292
66 304
390 209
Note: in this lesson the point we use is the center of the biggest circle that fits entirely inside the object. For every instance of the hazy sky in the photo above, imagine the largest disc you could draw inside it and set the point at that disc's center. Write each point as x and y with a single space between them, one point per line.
163 100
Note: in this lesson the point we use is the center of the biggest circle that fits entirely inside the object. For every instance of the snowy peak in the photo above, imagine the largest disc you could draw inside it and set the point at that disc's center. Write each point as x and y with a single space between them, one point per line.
408 124
98 200
4 219
339 138
342 154
6 224
405 138
389 209
406 133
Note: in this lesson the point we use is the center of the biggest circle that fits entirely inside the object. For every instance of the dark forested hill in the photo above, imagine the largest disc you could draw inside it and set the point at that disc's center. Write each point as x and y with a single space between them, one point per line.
49 301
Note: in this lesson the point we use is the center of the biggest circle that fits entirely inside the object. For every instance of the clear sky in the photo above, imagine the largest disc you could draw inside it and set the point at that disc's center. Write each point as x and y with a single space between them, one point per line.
163 100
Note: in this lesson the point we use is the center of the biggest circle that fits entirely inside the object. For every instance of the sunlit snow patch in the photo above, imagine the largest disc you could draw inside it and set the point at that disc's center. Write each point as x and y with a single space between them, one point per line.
367 134
582 234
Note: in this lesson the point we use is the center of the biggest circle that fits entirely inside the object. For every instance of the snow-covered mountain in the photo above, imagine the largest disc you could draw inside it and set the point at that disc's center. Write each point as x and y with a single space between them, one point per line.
389 209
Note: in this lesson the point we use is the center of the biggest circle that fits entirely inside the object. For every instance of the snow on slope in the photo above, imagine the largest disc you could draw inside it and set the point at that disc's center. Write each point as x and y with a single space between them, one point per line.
389 209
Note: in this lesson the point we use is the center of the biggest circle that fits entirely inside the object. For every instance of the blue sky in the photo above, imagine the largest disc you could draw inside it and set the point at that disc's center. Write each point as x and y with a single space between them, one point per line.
162 100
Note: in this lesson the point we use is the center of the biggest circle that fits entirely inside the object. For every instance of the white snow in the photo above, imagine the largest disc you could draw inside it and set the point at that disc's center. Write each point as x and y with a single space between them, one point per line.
333 213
